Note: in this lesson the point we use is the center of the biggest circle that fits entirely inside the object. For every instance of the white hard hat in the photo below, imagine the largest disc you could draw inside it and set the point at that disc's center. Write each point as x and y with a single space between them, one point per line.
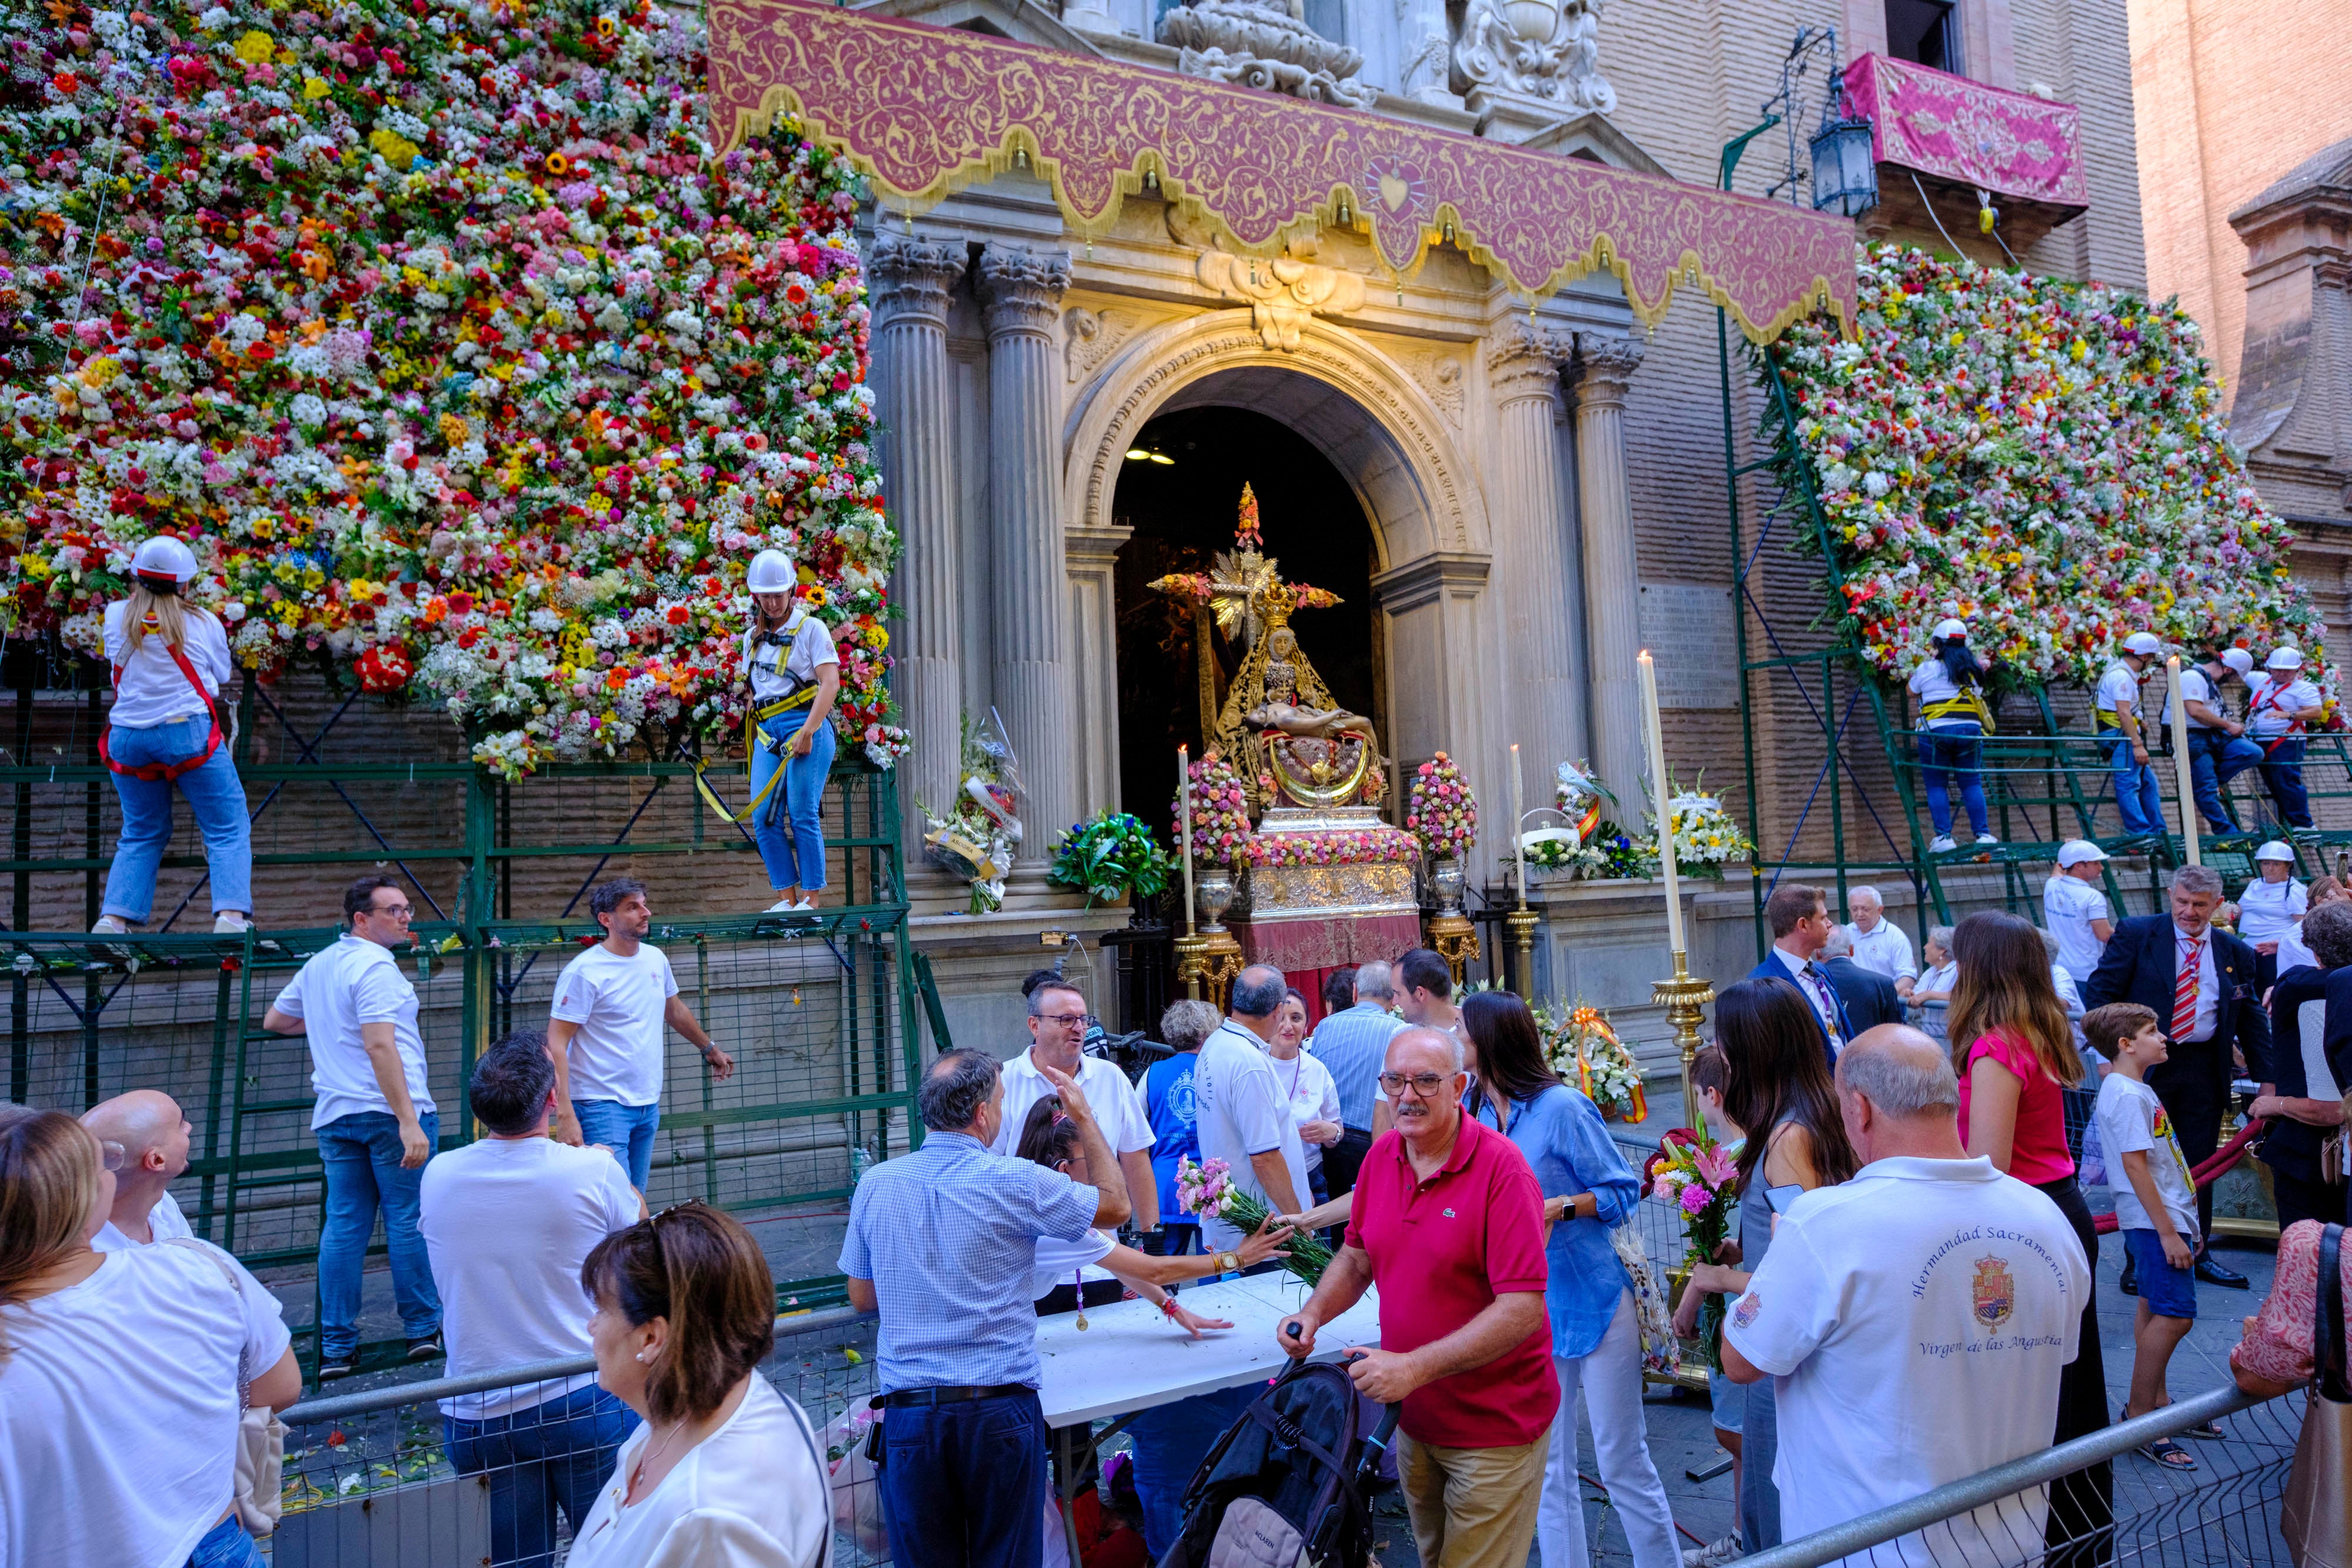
2239 660
2144 643
2079 851
2285 656
772 573
1949 627
2275 850
164 563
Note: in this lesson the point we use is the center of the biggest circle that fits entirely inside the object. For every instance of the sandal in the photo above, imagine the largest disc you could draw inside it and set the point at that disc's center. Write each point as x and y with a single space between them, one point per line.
2210 1432
2168 1454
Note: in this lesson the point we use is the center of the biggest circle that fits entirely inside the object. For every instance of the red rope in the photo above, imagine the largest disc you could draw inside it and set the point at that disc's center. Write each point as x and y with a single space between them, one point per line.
2222 1161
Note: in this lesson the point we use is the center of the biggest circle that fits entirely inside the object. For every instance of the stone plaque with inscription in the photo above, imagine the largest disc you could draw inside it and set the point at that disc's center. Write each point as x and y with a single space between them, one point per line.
1687 628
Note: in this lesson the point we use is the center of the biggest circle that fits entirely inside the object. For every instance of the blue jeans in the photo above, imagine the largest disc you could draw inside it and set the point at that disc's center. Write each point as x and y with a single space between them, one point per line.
2136 797
626 1130
214 796
226 1544
964 1485
1943 752
362 1153
2215 759
1168 1442
554 1454
2282 777
795 859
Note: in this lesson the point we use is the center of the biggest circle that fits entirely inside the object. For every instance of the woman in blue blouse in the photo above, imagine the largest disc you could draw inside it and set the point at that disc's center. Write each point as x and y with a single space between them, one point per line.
1596 1341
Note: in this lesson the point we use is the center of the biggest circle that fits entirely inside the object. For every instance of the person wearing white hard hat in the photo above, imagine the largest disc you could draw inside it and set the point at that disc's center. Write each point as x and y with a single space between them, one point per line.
2074 911
2269 908
170 660
2114 718
1954 719
2218 749
2284 704
794 672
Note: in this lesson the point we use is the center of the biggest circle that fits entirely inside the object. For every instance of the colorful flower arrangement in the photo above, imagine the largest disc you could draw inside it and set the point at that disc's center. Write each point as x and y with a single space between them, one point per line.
1109 857
1221 824
1441 811
437 332
2047 461
1381 845
1699 1178
1706 838
976 838
1209 1188
1581 1046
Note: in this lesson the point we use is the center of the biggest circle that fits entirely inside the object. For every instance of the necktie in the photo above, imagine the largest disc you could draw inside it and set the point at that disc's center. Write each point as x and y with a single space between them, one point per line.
1823 999
2184 993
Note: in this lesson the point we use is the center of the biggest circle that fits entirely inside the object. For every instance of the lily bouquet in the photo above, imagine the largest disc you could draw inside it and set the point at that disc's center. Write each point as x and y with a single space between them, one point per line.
1209 1188
1699 1177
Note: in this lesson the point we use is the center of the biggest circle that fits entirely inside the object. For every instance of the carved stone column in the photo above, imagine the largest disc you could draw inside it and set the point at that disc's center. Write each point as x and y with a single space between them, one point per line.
1093 642
913 283
1613 577
1021 292
1523 366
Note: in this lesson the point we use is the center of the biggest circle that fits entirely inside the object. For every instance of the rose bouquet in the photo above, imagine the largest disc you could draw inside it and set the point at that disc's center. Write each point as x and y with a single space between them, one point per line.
1209 1188
1699 1178
1221 824
1441 811
1109 857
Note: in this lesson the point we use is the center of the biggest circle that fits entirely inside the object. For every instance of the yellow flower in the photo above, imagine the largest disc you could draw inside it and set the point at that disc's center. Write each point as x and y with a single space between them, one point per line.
316 88
256 48
398 151
454 430
99 371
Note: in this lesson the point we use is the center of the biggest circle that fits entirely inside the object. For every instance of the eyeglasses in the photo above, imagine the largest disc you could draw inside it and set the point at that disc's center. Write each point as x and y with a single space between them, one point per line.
1068 1020
652 1229
393 911
112 1154
1424 1084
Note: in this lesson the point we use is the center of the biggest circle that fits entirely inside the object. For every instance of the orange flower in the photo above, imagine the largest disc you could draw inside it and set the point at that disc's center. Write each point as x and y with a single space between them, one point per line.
556 163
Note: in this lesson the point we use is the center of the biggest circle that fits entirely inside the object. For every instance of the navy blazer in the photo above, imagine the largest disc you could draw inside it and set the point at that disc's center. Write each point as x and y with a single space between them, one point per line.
1866 997
2140 965
1772 968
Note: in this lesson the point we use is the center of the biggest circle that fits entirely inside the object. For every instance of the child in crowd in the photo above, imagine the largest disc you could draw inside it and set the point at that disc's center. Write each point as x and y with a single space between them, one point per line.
2156 1208
1709 1073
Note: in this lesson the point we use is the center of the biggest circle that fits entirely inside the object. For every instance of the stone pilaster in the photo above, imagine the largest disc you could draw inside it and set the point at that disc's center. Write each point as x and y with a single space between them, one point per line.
1612 576
1021 292
1523 366
1093 640
913 283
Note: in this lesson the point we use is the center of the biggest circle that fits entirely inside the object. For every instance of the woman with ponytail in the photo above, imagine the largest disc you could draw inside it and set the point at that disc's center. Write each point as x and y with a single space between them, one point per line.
1954 719
170 662
725 1472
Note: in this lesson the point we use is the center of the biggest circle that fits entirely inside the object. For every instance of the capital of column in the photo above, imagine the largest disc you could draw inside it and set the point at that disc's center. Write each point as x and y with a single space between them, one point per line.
1021 289
1524 361
1604 364
914 277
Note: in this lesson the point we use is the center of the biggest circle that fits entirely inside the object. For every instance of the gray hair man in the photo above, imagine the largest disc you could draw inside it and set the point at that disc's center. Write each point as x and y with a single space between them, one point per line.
1057 1035
941 1242
1878 944
1241 1114
1915 1286
1352 1044
2203 986
154 1136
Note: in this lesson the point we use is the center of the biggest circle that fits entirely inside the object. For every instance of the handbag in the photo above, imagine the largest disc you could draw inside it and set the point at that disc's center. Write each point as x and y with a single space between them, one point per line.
2316 1515
260 1434
1661 1350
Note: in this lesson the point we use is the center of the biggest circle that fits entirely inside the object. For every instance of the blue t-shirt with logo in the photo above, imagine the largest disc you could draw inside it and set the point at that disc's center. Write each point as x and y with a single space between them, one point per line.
1168 1102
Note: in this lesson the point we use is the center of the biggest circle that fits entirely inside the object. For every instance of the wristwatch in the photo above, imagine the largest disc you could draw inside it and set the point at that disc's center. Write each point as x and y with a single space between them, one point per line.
1229 1262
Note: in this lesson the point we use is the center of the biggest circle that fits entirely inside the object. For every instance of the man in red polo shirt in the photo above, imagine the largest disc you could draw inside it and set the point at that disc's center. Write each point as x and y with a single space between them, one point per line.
1448 1222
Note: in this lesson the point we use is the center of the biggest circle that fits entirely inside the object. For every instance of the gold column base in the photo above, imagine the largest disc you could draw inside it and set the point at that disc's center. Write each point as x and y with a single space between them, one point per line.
1520 925
1455 940
1685 997
1207 962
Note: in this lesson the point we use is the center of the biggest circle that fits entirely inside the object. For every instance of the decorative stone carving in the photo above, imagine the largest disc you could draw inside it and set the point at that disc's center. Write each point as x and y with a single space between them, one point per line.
1440 376
1088 339
915 276
1524 361
1283 293
1251 43
1545 54
1020 291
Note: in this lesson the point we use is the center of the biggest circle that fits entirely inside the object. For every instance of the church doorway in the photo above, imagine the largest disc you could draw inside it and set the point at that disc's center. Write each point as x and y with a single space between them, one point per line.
1181 498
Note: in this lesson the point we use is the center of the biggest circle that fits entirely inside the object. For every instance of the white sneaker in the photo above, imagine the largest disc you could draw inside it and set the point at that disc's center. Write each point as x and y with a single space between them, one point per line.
783 907
1713 1553
110 925
1987 838
228 923
804 907
1940 844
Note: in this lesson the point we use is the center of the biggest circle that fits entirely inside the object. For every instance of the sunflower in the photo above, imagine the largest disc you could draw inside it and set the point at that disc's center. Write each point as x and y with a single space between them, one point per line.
557 164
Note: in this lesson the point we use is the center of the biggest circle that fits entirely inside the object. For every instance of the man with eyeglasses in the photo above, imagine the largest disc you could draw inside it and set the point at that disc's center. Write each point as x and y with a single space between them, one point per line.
1447 1221
375 1123
1058 1034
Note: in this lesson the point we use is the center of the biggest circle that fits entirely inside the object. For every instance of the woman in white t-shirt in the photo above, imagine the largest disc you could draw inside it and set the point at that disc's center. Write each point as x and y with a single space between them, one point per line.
794 675
725 1472
1953 719
119 1371
2269 908
170 660
1308 1085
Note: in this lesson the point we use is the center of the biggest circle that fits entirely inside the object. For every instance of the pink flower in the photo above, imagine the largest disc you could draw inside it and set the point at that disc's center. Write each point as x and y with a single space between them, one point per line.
1695 1199
1715 1168
1667 1188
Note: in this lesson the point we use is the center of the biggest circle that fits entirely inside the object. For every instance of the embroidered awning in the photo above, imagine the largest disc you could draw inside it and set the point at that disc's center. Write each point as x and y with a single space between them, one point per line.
923 111
1948 128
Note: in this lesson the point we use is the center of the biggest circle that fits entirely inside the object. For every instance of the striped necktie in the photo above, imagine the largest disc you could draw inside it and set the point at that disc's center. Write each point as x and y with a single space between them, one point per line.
2184 992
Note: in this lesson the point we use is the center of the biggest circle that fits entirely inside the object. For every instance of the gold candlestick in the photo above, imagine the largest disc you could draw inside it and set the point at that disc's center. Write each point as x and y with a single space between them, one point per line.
1521 924
1684 997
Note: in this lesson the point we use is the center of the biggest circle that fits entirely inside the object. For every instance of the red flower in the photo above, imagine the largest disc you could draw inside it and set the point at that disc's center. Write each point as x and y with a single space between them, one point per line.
680 615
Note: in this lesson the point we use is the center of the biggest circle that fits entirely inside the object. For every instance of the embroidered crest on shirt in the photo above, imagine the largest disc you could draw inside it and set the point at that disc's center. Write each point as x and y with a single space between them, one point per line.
1995 1290
1745 1312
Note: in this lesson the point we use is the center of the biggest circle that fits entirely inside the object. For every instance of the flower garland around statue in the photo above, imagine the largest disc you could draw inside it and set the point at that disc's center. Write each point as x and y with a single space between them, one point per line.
1381 845
1441 811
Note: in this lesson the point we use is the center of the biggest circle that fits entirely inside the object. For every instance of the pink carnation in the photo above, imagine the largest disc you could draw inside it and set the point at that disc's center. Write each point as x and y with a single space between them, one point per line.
1695 1199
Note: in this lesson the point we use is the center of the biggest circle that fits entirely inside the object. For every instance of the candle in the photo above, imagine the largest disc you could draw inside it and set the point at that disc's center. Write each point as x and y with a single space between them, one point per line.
1518 827
2180 770
1184 829
1657 737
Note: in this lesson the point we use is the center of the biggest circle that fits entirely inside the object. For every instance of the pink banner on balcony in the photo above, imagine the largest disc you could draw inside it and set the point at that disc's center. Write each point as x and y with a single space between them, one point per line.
1953 129
923 111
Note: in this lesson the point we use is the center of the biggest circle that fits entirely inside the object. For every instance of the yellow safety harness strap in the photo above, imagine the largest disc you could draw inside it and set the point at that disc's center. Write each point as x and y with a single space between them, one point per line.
1967 704
799 697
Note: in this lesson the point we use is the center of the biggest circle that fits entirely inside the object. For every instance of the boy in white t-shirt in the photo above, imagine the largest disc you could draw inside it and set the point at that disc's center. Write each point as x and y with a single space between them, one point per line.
612 1006
2074 911
2156 1207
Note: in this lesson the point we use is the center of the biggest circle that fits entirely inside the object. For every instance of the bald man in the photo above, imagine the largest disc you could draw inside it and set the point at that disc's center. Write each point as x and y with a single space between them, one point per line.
154 1140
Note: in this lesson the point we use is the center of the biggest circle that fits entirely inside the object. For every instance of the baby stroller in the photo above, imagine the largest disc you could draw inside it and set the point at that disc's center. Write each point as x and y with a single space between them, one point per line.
1286 1484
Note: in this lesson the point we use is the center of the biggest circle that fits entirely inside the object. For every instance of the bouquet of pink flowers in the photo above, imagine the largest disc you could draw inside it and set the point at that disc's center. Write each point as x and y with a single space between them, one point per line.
1209 1188
1699 1177
1221 824
1441 811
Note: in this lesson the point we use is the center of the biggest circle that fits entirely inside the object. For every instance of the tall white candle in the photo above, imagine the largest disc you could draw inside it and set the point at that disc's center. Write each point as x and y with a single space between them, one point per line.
1184 832
2182 779
1657 737
1519 826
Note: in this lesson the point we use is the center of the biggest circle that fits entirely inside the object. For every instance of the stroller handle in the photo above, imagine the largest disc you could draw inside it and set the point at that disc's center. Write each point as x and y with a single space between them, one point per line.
1377 1441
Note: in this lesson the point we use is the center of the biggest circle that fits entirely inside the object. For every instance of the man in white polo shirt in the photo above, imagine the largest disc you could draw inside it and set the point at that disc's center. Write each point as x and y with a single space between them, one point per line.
2074 911
375 1123
154 1136
1931 1286
613 1004
1240 1112
1057 1033
1880 945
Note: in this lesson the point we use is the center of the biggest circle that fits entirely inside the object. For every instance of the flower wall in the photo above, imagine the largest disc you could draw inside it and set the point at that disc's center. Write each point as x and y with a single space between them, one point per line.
433 330
2047 461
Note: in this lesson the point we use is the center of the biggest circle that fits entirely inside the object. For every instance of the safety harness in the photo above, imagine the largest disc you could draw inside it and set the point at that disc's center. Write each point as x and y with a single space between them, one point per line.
167 772
1970 705
801 696
2267 697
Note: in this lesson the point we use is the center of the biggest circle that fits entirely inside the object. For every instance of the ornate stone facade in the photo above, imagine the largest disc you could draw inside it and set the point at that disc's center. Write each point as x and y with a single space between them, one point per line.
1252 44
1543 55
